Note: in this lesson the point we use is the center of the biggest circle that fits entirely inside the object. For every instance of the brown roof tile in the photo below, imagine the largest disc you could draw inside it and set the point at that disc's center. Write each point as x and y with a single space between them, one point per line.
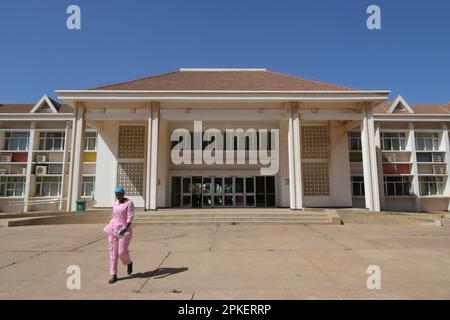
417 108
26 108
232 80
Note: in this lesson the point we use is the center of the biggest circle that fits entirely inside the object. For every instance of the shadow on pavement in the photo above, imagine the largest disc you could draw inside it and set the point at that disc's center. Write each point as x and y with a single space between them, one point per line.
157 273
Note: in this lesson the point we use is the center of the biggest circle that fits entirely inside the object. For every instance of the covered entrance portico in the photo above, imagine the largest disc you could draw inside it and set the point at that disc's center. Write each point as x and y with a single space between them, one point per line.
135 147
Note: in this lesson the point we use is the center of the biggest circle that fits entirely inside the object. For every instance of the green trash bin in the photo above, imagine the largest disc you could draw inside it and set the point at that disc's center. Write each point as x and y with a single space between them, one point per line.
81 205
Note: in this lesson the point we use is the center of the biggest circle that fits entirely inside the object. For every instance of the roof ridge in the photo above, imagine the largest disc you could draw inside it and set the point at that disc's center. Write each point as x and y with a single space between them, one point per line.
309 80
134 80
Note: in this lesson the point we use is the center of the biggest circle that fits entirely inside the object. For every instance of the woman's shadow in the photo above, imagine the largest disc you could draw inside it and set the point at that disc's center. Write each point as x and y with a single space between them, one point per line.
156 274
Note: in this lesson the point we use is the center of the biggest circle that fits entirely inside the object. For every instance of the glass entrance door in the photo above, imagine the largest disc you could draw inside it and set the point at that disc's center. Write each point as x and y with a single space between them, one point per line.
207 190
197 188
186 192
219 192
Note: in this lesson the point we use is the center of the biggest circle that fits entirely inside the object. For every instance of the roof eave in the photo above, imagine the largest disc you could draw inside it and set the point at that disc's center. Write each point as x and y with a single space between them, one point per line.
71 96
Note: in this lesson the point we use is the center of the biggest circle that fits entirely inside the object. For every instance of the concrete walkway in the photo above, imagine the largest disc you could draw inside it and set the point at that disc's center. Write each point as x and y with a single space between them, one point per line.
230 262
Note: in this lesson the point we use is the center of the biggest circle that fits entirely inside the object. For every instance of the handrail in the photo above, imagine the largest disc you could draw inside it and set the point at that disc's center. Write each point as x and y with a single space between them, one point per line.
43 201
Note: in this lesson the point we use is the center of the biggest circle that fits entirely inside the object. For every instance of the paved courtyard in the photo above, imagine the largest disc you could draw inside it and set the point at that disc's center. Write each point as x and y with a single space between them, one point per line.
230 262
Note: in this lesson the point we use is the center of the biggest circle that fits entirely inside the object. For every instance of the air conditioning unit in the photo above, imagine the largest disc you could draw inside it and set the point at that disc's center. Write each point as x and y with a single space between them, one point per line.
41 159
3 171
41 170
5 158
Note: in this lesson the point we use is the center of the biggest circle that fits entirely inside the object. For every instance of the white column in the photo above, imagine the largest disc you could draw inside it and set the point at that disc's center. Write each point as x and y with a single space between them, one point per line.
29 165
148 159
69 187
446 140
366 164
297 159
370 163
64 166
373 163
295 169
415 168
380 166
291 162
77 150
152 157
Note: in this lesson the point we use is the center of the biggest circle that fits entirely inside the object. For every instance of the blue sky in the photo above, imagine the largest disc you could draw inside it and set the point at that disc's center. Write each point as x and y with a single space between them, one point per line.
323 39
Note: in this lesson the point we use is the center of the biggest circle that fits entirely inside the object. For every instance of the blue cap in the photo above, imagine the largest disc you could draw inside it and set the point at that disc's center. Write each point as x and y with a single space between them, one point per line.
119 190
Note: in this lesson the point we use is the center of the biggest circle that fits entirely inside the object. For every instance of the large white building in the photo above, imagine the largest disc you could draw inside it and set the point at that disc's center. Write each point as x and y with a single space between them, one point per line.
338 147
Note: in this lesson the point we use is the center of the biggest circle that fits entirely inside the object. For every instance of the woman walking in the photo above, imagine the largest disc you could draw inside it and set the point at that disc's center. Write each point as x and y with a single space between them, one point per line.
120 233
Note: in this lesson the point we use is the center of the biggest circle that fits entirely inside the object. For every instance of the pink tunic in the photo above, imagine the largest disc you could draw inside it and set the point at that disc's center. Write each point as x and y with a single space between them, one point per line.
122 214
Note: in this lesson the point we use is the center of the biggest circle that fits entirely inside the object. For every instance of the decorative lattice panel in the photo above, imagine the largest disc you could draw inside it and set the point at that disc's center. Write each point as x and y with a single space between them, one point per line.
315 142
130 167
130 176
131 142
316 179
315 155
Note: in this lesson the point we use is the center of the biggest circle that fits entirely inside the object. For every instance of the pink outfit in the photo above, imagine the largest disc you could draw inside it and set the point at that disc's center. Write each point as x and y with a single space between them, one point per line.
122 214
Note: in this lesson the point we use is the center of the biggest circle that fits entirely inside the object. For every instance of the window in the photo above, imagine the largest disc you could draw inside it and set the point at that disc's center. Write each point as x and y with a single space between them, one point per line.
90 141
393 140
51 141
398 186
354 141
48 186
16 140
431 186
12 186
357 186
427 141
88 186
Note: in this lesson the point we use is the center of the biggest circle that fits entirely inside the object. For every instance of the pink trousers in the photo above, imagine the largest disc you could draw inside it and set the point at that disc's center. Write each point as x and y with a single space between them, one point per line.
118 248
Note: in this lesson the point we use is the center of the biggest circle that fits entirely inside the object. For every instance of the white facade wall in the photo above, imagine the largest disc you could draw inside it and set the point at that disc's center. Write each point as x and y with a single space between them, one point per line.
106 168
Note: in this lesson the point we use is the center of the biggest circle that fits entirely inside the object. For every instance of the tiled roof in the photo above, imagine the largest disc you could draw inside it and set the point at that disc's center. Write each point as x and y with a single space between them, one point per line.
26 108
417 108
223 80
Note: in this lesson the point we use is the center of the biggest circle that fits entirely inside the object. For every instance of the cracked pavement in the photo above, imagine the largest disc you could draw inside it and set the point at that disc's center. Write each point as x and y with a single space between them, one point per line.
230 262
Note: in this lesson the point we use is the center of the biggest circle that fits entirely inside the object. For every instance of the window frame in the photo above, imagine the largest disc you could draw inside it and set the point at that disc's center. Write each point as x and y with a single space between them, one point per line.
360 185
9 138
401 182
45 140
438 186
88 139
40 184
5 183
396 137
354 137
434 140
84 185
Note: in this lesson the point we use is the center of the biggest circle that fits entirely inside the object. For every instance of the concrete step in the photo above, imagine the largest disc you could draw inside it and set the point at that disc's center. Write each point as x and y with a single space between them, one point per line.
230 220
210 222
201 218
299 216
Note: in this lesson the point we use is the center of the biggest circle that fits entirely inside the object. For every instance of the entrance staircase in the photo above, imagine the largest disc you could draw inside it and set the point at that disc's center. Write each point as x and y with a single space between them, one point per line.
235 216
